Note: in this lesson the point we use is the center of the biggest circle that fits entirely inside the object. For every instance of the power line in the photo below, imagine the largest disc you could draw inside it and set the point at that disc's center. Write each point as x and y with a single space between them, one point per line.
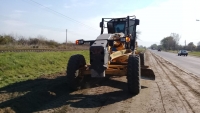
55 12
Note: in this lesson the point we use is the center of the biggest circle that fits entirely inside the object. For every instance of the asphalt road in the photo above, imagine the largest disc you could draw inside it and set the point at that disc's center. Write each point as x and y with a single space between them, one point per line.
190 64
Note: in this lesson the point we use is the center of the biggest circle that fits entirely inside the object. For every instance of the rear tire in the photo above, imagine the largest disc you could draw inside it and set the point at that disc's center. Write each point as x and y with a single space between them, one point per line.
74 64
133 74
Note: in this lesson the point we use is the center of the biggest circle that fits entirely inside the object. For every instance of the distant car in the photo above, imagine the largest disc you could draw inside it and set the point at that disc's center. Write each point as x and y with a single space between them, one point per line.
159 49
183 52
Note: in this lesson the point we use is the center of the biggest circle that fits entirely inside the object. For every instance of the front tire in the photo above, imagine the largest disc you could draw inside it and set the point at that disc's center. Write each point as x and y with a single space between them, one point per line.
133 74
74 64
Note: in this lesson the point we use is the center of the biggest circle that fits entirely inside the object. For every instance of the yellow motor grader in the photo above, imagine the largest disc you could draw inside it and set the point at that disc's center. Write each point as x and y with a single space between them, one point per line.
112 53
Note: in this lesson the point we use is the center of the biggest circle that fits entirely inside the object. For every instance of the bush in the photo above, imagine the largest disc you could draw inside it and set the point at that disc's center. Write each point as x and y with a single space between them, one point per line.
6 39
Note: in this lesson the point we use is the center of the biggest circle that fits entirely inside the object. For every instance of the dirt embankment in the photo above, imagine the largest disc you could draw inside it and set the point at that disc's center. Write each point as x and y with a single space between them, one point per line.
173 91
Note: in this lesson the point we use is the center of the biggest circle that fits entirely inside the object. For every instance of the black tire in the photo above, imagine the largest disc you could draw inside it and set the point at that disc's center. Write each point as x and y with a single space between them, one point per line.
142 59
74 64
133 74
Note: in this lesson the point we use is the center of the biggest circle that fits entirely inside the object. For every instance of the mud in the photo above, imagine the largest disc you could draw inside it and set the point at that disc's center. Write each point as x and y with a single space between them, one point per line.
173 91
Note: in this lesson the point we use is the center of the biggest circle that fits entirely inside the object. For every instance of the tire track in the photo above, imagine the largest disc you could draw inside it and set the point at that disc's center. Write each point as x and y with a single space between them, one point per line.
153 65
176 88
187 92
161 97
183 81
165 83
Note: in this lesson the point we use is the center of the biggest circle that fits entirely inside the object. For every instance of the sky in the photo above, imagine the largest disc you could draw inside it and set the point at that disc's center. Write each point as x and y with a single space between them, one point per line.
51 18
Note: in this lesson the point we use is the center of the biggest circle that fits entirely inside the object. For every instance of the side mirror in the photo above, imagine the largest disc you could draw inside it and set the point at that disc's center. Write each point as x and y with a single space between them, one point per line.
137 21
101 24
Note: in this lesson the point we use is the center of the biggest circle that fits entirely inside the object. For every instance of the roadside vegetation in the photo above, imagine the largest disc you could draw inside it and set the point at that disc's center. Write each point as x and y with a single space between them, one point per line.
195 53
9 41
16 67
141 49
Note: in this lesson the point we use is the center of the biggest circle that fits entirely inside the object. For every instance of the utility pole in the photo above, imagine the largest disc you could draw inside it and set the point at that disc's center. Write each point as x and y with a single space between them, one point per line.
66 36
185 43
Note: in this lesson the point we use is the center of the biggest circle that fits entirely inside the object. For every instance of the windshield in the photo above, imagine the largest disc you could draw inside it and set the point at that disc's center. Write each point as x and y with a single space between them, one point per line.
119 27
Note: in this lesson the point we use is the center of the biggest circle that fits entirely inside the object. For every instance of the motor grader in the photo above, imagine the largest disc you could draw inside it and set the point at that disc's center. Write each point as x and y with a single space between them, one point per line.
112 53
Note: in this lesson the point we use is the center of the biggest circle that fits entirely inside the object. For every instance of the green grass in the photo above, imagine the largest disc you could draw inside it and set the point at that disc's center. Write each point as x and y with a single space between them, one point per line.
16 67
141 50
194 53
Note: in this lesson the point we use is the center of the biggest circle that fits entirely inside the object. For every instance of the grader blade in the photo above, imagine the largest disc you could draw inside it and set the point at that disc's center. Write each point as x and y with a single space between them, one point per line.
147 73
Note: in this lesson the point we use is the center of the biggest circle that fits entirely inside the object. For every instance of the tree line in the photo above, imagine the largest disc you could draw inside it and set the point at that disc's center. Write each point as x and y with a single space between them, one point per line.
172 43
10 41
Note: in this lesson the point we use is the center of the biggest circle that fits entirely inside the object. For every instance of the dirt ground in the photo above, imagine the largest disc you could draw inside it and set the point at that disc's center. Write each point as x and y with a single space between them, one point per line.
173 91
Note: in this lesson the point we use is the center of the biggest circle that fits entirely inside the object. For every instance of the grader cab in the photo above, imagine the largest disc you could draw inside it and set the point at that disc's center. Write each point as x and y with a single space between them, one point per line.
112 53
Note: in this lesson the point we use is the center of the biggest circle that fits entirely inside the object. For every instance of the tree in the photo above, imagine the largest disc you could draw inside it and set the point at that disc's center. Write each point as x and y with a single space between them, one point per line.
167 42
154 46
191 46
171 42
198 46
7 39
160 46
176 37
22 41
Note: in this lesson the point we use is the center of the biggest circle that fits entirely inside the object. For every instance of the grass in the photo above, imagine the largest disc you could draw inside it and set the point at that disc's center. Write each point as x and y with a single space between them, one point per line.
22 66
194 53
141 50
